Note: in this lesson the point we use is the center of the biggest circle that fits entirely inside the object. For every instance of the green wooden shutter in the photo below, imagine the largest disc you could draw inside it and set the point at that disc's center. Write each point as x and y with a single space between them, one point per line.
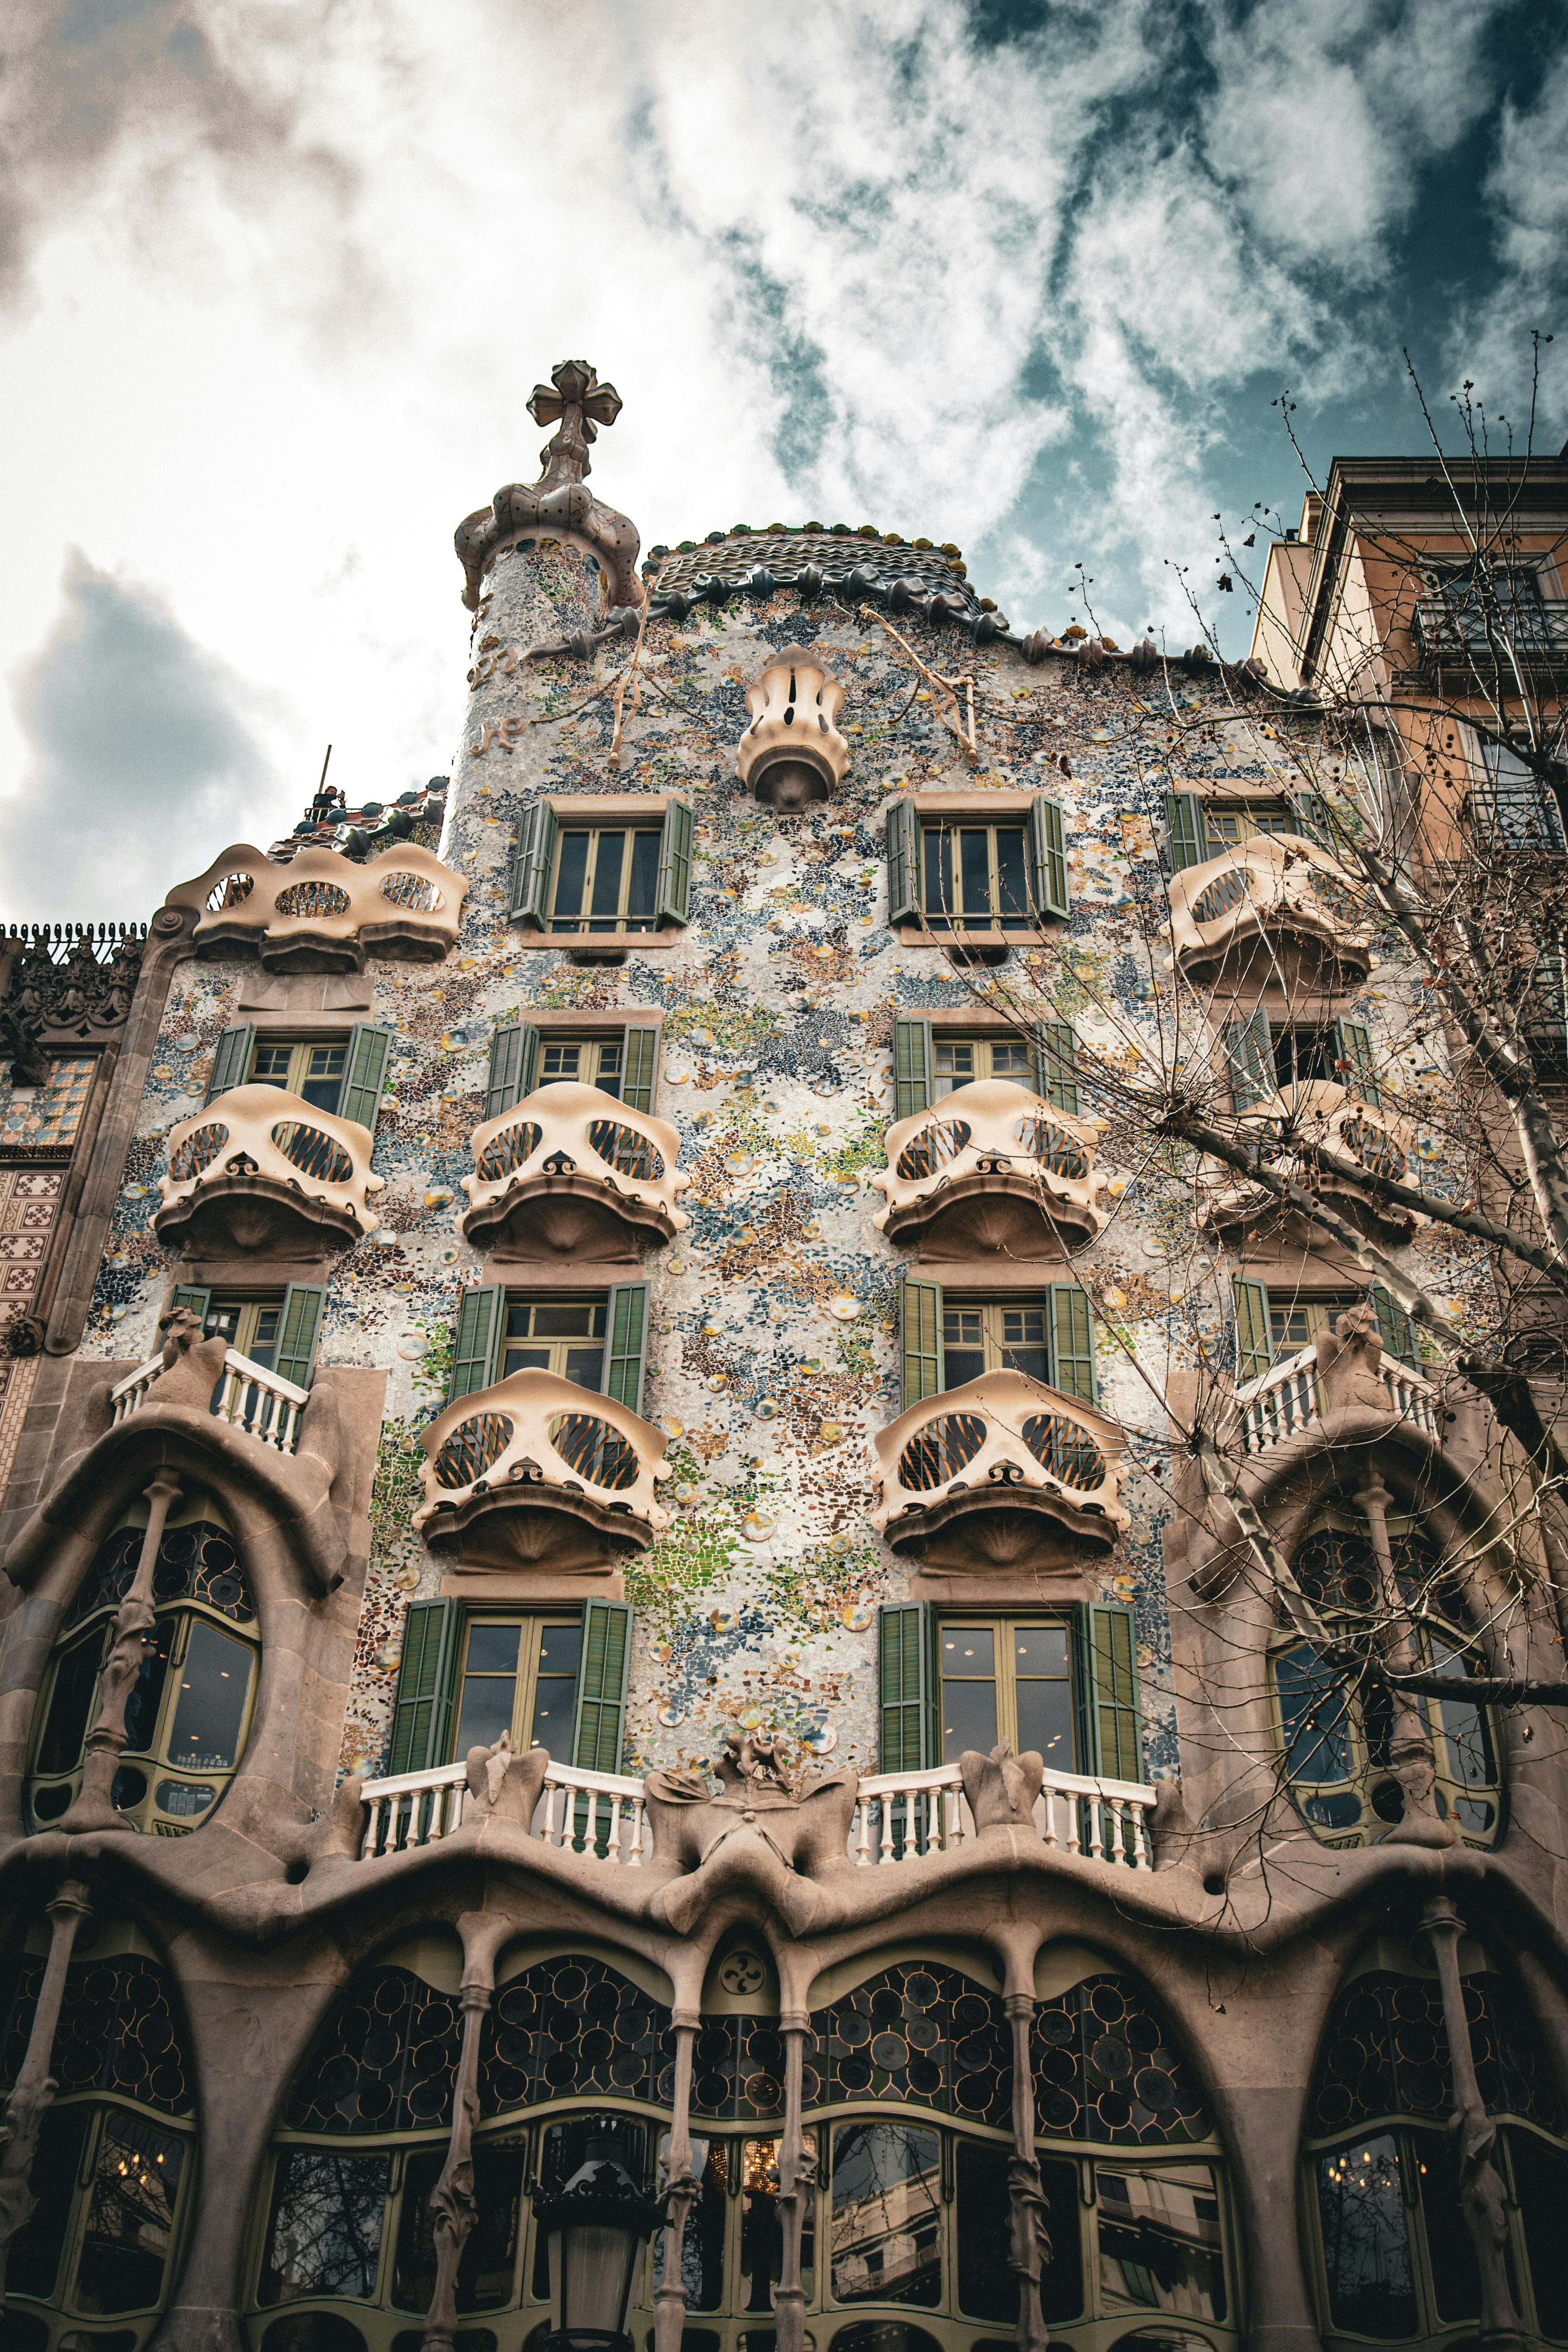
1307 816
1048 856
365 1073
514 1060
627 1341
672 898
1397 1331
1056 1064
1109 1719
906 1667
602 1686
476 1346
188 1295
426 1686
914 1068
1185 831
920 1339
1072 1343
1254 1331
1354 1041
640 1068
533 865
1249 1050
231 1060
299 1329
903 846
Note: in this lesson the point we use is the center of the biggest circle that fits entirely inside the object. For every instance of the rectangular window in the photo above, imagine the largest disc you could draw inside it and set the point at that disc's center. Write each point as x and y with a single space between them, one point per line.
311 1067
1302 1055
518 1675
1007 1678
323 2236
1364 2215
582 1062
1515 802
1297 1321
885 2228
250 1325
974 876
1227 824
1159 2242
996 1336
564 1336
606 879
960 1061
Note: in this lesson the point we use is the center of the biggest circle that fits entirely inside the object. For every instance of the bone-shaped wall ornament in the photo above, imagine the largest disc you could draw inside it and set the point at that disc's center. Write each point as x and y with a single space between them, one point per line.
1276 903
320 911
261 1170
570 1172
539 1472
991 1167
1318 1116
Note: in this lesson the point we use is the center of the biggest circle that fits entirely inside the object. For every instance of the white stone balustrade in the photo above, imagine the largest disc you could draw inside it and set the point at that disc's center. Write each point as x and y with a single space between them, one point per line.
262 1169
250 1397
552 1472
899 1816
1318 1116
571 1172
601 1814
991 1167
323 911
1277 907
1285 1401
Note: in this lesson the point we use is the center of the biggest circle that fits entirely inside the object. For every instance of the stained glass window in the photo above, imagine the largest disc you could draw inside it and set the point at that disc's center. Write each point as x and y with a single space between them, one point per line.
573 2027
919 2032
1105 2069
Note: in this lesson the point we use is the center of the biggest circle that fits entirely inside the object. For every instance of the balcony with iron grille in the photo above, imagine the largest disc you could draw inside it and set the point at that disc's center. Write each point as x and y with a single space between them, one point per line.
1003 1472
1295 1127
1277 909
1492 637
570 1172
538 1472
263 1172
993 1168
323 911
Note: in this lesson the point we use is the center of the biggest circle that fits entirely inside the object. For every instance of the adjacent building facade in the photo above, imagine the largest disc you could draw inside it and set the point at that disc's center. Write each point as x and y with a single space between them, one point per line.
600 1524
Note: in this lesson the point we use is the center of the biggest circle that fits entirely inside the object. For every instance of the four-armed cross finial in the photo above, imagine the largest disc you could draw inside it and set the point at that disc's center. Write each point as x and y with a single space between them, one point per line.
578 403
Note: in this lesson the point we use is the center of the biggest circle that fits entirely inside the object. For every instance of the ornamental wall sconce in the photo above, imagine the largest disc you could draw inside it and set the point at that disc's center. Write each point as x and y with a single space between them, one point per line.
792 753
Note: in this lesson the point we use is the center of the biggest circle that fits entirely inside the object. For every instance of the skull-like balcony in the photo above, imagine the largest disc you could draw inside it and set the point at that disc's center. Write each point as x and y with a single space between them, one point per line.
570 1172
263 1172
1307 1119
321 911
1003 1472
1274 909
992 1168
538 1472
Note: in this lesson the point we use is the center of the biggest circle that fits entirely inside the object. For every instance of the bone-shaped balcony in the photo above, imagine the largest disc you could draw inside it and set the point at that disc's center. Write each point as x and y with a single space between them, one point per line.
1003 1472
1303 1121
539 1473
323 911
570 1172
1276 908
262 1171
992 1168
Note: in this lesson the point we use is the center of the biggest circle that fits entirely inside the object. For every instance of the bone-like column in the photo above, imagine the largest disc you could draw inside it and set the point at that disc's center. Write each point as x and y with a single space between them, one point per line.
680 2193
1410 1749
1031 2244
94 1807
1482 2198
35 2087
797 2181
453 2207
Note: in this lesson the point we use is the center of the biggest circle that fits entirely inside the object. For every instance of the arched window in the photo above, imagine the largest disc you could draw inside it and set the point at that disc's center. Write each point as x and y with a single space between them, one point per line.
115 2151
189 1713
1335 1734
1394 2258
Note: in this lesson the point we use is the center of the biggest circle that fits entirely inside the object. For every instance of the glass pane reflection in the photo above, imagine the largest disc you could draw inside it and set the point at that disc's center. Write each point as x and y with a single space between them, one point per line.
1159 2240
1367 2243
885 2214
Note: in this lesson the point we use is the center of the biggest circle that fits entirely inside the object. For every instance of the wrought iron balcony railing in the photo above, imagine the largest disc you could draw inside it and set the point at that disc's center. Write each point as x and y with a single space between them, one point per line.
1277 907
248 1397
992 1167
539 1472
571 1172
1002 1473
1490 636
321 911
1316 1117
261 1170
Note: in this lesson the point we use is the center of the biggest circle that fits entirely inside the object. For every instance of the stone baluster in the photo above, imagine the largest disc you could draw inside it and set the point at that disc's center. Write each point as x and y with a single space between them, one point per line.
1031 2246
1483 2200
1410 1749
681 2192
797 2184
34 2089
94 1807
453 2207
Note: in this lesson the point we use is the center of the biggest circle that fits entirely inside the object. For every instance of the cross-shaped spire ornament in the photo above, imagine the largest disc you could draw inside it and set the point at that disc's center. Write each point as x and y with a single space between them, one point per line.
578 402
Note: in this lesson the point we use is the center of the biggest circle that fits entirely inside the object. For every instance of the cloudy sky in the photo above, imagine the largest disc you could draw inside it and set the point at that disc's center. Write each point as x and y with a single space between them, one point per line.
278 276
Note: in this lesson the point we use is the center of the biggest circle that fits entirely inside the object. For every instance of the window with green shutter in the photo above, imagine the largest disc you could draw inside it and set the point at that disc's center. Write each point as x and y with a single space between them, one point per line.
946 1341
674 887
903 837
904 1669
920 1340
1110 1714
300 1330
596 1735
533 865
1048 857
1254 1329
1397 1330
1184 831
1360 1077
1056 1064
639 1067
514 1060
231 1059
628 1324
365 1073
1249 1051
1072 1343
422 1710
913 1081
476 1343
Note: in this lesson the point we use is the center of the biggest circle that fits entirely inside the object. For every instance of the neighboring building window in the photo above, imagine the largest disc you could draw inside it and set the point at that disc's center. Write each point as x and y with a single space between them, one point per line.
189 1713
1515 801
606 879
47 1118
581 1062
564 1336
1006 1678
1393 2259
312 1068
960 1061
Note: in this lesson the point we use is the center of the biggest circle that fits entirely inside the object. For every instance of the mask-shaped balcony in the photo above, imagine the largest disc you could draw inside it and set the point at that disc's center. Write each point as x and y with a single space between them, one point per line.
1004 1472
991 1168
264 1172
537 1472
570 1172
1276 908
323 911
1306 1120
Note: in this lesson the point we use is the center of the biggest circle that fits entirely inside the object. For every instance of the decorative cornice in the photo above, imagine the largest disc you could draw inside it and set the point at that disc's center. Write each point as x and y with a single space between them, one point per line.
65 983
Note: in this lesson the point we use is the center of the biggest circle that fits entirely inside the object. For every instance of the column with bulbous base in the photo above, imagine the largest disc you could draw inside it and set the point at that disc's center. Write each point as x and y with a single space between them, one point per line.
453 2207
94 1808
1410 1749
33 2092
680 2195
1483 2200
797 2181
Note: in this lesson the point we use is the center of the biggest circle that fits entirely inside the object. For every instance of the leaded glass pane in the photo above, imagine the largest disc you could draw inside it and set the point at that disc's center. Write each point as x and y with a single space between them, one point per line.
885 2218
1106 2070
920 2033
324 2233
1366 2243
135 2180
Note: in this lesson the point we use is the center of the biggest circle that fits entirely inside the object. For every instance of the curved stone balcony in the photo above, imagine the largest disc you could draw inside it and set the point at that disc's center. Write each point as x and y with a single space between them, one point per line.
991 1168
1276 908
259 1170
321 911
1003 1472
1319 1117
570 1172
537 1472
